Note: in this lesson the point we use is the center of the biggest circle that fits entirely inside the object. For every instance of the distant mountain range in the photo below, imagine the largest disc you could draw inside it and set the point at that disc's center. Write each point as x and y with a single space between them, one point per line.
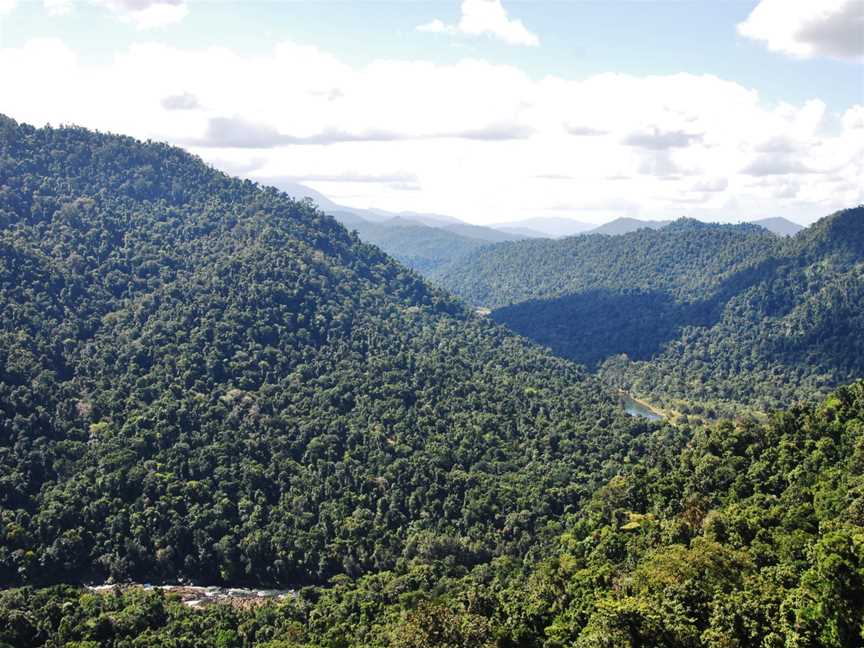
548 227
426 242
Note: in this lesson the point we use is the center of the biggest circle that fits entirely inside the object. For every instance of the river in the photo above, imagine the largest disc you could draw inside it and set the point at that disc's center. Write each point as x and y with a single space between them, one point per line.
635 408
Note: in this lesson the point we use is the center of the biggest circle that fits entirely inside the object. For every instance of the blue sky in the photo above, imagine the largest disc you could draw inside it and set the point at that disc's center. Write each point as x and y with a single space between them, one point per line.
578 120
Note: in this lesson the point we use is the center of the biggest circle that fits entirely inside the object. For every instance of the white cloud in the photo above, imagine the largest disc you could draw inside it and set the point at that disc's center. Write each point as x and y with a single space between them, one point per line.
656 139
58 7
808 28
485 18
157 14
433 27
480 141
853 118
711 184
143 14
183 101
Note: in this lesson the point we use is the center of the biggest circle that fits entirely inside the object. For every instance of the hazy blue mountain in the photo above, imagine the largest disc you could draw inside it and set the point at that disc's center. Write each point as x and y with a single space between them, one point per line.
551 227
626 225
432 220
522 231
779 225
420 240
483 233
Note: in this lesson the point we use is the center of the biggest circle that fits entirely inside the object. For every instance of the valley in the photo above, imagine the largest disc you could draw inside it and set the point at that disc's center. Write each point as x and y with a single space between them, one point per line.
453 324
205 380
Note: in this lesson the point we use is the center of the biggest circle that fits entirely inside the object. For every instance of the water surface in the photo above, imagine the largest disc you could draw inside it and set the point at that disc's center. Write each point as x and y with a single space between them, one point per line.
635 408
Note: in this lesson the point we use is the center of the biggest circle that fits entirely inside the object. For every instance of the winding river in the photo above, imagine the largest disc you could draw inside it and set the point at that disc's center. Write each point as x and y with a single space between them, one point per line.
635 408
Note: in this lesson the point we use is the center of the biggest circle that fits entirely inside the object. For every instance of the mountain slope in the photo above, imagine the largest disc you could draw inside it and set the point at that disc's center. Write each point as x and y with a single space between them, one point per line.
792 330
201 378
699 313
741 534
686 259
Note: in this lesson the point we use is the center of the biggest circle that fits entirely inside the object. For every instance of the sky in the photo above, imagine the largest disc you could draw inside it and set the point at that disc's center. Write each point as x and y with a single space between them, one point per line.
487 110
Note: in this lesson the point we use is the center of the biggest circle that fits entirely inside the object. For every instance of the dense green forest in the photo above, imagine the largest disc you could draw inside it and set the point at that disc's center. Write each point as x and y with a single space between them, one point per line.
201 378
741 534
686 259
698 316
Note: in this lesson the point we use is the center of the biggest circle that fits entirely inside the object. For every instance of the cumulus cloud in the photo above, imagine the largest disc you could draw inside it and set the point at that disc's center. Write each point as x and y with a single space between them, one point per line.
492 150
584 131
711 185
237 132
786 190
148 14
491 133
185 101
554 176
659 140
57 7
768 165
435 26
143 14
485 18
853 118
662 165
805 28
779 144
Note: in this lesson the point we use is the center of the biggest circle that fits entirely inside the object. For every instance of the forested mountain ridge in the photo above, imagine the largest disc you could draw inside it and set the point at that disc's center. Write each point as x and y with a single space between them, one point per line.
692 313
201 378
792 329
686 259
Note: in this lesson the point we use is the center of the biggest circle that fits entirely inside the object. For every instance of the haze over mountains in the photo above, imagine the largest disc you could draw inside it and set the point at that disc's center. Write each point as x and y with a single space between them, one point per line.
428 242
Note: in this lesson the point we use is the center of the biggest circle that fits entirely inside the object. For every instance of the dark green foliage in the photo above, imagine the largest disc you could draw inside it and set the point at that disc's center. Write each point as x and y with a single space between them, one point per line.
711 314
742 534
686 259
202 378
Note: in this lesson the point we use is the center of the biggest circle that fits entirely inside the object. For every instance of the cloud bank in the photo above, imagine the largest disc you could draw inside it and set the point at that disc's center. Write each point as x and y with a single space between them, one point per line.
809 28
480 141
142 14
